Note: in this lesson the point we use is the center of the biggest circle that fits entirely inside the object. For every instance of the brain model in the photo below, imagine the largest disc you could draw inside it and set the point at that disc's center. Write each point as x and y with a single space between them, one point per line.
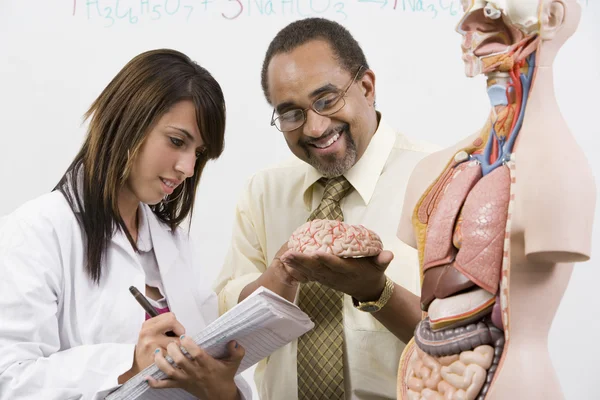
335 237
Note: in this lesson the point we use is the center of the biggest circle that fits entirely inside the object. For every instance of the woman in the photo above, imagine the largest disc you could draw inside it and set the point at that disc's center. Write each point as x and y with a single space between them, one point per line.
69 328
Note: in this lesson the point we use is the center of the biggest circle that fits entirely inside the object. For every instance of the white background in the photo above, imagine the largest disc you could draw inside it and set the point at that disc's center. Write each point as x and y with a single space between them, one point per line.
57 56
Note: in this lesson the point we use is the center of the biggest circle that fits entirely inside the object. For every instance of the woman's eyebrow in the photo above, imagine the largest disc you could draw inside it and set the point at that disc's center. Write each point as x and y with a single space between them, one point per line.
186 133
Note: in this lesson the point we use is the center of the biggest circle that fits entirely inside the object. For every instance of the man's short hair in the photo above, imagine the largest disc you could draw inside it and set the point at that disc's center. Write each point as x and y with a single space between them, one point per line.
344 46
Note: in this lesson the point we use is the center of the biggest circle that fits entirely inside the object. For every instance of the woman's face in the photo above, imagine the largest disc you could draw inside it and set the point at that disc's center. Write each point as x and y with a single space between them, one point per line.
167 156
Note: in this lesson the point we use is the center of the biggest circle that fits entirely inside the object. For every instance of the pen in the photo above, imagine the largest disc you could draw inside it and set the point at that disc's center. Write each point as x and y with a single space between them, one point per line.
147 306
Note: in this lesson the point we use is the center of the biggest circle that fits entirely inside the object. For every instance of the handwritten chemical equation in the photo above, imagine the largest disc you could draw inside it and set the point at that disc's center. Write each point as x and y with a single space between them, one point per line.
114 12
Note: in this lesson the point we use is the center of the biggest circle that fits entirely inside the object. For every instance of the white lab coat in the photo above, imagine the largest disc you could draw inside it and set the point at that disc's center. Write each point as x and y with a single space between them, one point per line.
64 337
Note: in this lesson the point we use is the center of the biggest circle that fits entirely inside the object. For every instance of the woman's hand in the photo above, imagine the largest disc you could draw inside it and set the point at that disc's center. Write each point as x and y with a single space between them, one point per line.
197 372
152 336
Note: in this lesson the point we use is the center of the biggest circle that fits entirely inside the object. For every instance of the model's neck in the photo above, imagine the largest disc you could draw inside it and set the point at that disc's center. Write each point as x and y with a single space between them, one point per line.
523 102
541 98
503 99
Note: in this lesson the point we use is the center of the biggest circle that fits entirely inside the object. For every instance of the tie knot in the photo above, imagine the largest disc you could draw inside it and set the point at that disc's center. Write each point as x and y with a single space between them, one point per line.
336 188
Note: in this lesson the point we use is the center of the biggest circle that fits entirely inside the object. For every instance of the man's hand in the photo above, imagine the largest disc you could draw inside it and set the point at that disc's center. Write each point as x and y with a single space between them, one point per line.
364 279
361 278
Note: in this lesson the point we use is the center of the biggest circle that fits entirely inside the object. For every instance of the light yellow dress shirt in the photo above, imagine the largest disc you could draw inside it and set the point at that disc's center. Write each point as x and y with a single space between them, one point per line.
277 201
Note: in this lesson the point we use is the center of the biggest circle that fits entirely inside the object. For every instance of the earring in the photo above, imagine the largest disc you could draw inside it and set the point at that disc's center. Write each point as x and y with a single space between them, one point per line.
165 201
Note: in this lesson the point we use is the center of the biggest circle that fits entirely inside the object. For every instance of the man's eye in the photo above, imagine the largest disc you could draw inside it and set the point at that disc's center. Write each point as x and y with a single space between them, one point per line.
176 142
291 116
326 101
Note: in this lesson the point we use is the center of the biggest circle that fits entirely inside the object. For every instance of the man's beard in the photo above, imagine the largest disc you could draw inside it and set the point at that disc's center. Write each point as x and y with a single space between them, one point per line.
330 166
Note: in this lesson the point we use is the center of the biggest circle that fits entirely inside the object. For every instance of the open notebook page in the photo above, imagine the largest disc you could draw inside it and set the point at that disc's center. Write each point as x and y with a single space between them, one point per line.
262 323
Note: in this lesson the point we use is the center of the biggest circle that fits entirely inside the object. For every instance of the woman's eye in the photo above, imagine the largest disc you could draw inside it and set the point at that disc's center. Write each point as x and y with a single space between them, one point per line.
176 142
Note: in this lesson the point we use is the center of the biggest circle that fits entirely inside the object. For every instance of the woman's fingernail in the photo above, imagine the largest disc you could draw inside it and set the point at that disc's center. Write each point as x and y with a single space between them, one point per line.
181 337
156 351
236 345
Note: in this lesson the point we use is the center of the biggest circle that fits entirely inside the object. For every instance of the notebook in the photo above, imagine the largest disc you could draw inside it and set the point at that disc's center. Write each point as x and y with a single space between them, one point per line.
261 323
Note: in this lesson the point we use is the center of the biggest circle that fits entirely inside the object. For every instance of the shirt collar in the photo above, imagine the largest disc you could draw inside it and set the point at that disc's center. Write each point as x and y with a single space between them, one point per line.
365 173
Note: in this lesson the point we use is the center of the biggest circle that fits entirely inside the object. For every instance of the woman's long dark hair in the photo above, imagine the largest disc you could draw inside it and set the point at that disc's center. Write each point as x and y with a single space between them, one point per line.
119 122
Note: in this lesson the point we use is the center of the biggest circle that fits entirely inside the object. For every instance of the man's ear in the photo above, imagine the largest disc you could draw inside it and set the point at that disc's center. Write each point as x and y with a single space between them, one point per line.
552 18
367 86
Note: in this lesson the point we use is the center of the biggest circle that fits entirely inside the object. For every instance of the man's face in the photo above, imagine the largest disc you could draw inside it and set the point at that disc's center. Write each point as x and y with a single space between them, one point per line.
332 144
492 28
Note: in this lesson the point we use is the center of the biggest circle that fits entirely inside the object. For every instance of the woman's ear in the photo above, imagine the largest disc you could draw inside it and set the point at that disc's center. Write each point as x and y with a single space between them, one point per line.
552 18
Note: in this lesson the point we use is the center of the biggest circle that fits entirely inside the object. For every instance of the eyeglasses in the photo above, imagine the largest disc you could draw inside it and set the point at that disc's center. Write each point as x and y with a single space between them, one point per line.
326 105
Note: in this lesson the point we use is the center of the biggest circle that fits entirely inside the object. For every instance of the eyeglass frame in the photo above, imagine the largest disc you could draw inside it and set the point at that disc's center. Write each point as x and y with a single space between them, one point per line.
341 94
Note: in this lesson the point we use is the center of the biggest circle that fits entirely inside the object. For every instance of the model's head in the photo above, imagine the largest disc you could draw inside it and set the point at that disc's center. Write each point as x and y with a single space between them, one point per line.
499 33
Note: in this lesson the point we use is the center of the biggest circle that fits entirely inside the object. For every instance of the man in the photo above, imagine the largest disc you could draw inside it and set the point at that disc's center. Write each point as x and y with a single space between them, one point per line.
317 79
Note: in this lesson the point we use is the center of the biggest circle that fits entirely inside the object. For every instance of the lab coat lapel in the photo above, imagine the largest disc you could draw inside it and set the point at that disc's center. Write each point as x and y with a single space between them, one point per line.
163 242
120 240
174 274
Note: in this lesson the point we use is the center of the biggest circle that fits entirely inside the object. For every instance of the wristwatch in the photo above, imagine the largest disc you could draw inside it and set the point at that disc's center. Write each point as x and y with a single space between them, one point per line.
374 306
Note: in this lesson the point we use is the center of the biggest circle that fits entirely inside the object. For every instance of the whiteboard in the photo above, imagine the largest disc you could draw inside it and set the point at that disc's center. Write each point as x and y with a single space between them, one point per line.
57 56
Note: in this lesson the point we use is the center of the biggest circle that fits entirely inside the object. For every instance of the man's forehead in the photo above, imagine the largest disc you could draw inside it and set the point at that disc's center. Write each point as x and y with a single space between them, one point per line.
293 78
305 60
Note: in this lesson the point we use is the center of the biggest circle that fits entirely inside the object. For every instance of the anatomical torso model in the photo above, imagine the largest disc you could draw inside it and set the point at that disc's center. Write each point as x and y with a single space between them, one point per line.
499 218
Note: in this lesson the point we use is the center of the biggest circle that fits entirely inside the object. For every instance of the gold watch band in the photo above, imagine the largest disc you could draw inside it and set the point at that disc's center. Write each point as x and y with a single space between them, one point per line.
374 306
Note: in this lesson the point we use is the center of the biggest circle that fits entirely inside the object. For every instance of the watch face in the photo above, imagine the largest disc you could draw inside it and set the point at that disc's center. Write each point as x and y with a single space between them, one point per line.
370 308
